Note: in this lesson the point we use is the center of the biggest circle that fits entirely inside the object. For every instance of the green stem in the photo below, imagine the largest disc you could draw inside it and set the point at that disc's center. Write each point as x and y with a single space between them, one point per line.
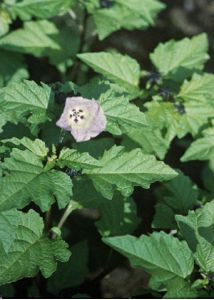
69 209
76 66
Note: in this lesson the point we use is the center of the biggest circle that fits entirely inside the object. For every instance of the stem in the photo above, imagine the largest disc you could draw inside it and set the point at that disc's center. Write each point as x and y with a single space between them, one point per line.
71 207
66 214
75 68
48 220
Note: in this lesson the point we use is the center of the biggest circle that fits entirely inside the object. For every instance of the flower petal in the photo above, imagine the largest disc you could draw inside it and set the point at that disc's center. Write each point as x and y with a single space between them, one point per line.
90 125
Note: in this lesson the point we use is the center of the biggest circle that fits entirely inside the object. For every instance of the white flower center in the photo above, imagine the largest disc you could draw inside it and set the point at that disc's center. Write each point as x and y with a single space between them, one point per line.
78 117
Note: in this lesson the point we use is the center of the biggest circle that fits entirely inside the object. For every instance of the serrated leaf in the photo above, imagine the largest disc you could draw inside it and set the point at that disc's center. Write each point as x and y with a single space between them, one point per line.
160 254
123 170
201 149
74 271
180 193
5 21
23 99
119 68
73 159
200 87
126 14
197 115
37 146
181 58
164 115
12 68
95 147
42 9
197 228
122 116
9 221
151 140
118 216
27 180
180 289
30 251
34 38
175 197
205 255
164 217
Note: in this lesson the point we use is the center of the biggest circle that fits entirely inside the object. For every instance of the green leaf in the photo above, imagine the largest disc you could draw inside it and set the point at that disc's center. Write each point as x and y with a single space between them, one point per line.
205 255
42 9
5 21
35 38
37 146
199 88
23 99
126 14
121 115
197 228
26 179
9 221
180 193
119 68
12 68
74 272
175 197
164 115
180 289
118 216
73 159
196 116
202 148
181 58
160 254
151 140
30 251
164 217
123 170
95 147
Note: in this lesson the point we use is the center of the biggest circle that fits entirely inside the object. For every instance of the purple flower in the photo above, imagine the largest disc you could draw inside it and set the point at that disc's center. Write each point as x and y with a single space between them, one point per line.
83 118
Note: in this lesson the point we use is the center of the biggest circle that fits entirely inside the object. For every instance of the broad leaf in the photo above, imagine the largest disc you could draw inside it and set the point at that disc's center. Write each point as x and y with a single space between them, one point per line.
199 88
175 197
9 221
37 146
34 38
122 116
26 179
119 68
181 58
164 115
180 193
151 140
202 148
160 254
197 228
126 14
42 9
118 216
12 68
73 159
180 289
23 99
74 271
123 170
30 251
